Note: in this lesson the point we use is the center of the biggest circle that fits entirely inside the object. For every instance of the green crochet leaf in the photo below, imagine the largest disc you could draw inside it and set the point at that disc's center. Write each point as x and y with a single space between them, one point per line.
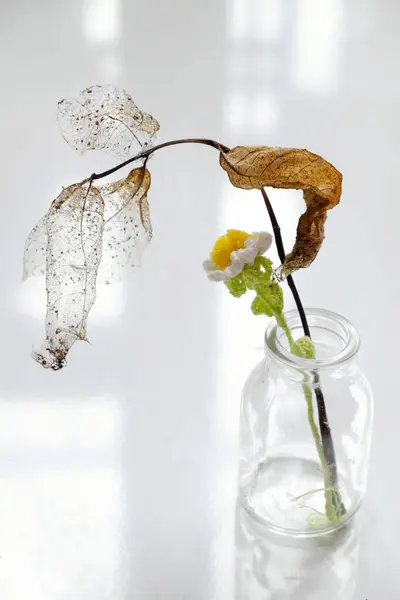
260 307
251 277
236 286
257 277
304 348
266 264
271 293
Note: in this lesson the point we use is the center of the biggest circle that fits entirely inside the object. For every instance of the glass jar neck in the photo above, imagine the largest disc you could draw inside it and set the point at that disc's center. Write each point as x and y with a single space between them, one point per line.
335 339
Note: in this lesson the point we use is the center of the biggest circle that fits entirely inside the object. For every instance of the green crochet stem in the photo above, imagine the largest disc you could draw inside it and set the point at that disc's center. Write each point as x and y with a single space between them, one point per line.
304 348
329 491
269 301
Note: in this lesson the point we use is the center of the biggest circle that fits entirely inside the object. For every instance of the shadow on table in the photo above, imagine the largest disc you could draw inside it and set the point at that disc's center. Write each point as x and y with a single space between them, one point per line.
275 567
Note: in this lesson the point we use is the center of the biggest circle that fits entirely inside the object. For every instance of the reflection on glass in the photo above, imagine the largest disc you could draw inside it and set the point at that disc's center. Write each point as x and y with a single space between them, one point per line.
61 499
247 112
266 19
256 19
265 112
315 53
239 18
274 567
235 112
101 20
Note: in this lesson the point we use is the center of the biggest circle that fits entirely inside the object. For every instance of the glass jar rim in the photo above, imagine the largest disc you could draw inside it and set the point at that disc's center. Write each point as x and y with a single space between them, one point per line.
315 316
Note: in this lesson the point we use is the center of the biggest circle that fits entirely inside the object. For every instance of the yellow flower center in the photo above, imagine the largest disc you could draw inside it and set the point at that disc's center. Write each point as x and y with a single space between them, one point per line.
225 245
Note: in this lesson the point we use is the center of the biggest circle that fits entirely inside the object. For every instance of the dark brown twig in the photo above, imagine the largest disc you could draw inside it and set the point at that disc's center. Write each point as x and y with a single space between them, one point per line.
326 434
148 151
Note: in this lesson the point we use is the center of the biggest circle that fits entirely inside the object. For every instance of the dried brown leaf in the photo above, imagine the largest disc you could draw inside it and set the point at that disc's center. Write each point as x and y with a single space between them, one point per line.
105 118
290 168
74 244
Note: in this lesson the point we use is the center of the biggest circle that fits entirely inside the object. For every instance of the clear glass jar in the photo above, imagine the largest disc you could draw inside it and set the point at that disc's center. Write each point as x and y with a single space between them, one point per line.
306 428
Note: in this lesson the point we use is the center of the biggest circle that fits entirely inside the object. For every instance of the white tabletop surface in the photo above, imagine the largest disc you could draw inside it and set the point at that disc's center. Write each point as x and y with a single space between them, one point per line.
118 474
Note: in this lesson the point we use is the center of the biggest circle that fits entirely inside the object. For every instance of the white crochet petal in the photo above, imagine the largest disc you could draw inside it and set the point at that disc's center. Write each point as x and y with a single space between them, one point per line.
237 263
218 275
256 244
213 273
262 240
208 266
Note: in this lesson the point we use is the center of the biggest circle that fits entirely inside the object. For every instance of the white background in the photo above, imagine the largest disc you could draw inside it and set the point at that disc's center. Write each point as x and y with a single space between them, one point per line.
118 474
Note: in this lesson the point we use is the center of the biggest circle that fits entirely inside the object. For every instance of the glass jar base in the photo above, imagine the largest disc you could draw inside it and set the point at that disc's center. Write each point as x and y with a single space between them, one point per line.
286 495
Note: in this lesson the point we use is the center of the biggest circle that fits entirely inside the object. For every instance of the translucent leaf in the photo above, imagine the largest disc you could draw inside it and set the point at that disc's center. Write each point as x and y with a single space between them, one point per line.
105 118
34 262
291 168
127 230
75 234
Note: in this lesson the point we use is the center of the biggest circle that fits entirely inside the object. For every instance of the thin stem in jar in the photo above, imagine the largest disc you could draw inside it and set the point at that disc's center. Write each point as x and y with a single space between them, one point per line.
326 435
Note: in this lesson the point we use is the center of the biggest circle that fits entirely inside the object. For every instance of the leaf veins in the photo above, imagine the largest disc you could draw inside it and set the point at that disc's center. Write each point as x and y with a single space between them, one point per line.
89 234
127 229
74 244
290 168
34 262
106 118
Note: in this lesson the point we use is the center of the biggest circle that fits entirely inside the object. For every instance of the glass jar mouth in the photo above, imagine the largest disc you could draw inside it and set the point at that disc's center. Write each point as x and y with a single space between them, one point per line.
345 336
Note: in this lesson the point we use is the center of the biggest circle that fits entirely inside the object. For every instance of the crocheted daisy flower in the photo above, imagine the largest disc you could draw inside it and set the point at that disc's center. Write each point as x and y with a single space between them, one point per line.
234 250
